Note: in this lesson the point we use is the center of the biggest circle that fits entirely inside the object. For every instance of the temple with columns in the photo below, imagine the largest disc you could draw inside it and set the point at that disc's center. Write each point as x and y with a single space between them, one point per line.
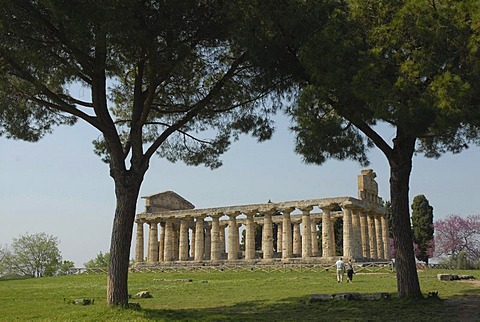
300 231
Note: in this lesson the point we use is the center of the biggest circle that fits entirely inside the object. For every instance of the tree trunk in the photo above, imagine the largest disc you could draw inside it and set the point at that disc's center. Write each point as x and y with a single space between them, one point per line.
126 191
400 169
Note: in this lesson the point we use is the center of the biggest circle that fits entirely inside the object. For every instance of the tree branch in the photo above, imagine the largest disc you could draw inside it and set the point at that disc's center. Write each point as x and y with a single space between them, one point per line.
60 105
84 60
373 135
181 131
196 108
76 101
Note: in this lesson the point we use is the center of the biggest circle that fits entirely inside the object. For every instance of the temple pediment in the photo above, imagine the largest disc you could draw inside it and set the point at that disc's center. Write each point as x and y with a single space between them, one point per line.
166 201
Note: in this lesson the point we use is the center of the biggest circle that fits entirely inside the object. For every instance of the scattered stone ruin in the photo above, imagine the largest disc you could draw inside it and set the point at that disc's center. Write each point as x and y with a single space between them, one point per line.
300 231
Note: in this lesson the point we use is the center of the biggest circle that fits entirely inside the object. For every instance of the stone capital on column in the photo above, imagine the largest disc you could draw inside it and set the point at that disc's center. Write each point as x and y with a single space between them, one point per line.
233 215
306 209
286 210
327 208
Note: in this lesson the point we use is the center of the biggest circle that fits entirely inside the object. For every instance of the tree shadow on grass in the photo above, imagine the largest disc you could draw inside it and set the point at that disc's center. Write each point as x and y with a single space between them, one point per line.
301 309
15 277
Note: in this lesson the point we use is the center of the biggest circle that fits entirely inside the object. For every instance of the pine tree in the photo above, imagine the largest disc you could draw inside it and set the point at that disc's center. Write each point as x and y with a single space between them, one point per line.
422 227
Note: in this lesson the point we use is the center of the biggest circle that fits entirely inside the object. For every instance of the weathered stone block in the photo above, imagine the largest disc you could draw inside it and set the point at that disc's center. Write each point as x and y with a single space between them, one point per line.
444 277
83 301
343 296
466 277
143 295
375 296
320 297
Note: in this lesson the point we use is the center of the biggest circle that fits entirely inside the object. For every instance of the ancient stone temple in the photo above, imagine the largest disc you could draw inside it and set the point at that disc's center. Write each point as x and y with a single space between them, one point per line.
300 231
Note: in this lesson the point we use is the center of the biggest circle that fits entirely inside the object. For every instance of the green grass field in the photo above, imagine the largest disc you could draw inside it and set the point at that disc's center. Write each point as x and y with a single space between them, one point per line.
231 295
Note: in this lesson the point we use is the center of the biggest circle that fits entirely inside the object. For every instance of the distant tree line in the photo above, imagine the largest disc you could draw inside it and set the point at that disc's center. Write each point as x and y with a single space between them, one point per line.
100 261
33 255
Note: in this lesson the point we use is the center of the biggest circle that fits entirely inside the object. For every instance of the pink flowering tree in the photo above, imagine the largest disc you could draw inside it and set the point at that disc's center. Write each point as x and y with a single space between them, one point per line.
428 252
455 235
424 254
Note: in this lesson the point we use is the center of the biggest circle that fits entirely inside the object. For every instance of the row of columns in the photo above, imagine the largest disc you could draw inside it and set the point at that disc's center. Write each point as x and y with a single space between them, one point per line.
365 235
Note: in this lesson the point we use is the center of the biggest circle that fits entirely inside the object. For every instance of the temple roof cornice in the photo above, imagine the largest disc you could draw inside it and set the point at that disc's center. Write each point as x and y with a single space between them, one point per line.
263 208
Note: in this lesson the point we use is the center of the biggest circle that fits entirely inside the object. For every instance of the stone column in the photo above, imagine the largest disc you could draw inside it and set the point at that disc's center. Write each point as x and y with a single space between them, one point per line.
175 241
161 242
216 249
306 232
152 256
168 250
279 237
386 238
199 239
287 247
232 237
237 241
314 237
356 235
333 250
193 242
326 240
222 238
372 236
139 242
183 242
249 237
347 233
267 236
297 239
364 234
378 235
208 241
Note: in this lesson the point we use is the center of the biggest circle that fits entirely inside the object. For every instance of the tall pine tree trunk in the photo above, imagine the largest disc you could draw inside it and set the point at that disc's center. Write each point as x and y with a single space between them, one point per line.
126 190
400 169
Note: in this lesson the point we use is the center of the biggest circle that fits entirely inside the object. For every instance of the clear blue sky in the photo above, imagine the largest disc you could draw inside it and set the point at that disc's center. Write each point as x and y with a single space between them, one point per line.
59 186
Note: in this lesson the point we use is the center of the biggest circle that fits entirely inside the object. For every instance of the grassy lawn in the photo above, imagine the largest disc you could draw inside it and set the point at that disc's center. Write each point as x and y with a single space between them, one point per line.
230 295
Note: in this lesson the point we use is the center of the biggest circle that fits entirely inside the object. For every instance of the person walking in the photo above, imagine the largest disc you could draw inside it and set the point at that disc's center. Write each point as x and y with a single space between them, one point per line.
340 270
350 271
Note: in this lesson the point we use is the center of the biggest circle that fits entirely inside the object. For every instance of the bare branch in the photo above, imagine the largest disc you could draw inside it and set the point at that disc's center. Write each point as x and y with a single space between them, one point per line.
76 101
185 134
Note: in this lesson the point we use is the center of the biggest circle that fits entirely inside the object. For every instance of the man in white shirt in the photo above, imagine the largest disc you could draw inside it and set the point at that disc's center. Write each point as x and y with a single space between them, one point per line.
340 270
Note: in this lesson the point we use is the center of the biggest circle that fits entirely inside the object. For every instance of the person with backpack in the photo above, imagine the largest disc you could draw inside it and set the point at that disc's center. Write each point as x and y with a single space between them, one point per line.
350 271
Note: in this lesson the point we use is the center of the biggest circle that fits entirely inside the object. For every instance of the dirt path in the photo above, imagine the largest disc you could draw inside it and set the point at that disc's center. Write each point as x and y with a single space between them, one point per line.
467 307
